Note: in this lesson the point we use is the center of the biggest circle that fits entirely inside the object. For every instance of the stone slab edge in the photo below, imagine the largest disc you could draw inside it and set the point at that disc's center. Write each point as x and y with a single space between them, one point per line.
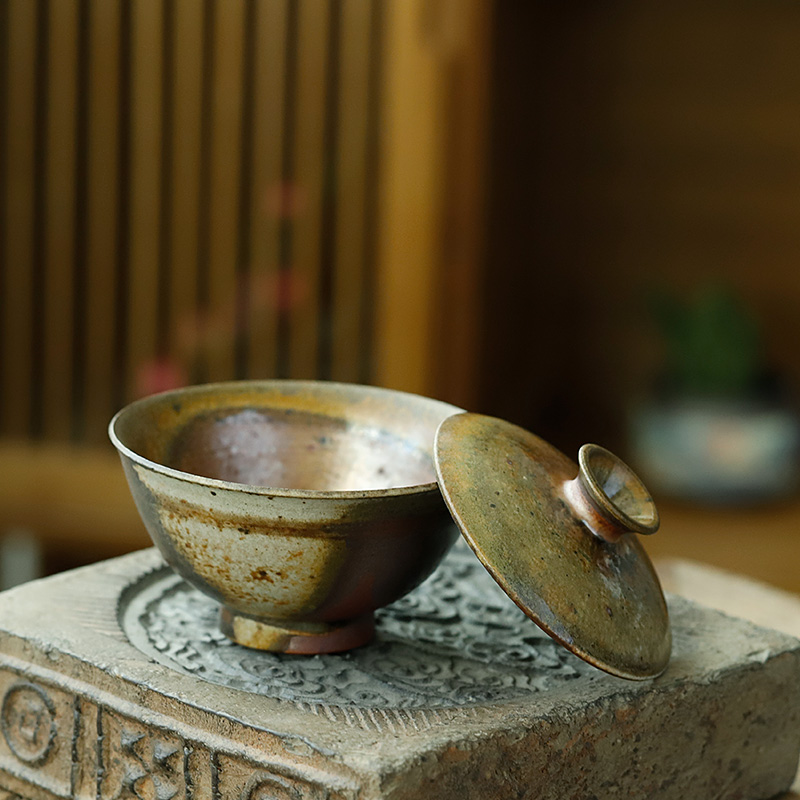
726 727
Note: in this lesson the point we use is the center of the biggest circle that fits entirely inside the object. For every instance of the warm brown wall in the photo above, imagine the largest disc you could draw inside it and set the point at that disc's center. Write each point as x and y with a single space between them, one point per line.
633 143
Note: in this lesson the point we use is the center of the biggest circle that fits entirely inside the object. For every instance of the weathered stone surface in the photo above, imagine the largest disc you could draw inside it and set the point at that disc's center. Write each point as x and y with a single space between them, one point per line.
114 682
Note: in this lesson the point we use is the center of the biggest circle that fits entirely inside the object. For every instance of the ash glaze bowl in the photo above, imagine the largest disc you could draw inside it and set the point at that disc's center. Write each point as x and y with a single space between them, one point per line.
301 507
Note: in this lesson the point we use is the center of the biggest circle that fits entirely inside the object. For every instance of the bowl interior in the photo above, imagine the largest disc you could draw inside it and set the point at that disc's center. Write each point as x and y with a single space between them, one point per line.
296 450
288 435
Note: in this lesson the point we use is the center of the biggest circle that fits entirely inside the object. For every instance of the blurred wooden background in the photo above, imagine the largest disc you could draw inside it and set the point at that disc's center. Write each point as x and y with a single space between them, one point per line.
646 144
638 144
463 198
199 191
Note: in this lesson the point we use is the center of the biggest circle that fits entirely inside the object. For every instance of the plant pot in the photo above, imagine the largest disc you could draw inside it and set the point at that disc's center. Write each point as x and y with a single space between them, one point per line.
720 450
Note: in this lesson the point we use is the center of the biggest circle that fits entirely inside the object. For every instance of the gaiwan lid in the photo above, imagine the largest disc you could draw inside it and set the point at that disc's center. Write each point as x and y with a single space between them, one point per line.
559 538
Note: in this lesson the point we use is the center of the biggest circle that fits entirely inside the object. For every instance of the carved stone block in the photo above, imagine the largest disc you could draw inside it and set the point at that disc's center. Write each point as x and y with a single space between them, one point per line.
116 683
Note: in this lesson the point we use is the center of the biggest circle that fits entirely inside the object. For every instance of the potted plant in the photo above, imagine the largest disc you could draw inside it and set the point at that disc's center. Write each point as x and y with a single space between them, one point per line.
718 427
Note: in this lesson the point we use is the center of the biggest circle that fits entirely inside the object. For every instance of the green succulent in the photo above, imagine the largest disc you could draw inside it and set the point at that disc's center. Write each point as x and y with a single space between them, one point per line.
713 344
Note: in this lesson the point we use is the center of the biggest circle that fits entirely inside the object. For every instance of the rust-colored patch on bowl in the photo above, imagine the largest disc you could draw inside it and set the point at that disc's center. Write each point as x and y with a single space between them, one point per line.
291 503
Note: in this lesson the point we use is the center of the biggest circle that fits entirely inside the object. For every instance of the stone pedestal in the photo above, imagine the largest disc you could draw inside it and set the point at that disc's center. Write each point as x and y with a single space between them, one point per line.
115 683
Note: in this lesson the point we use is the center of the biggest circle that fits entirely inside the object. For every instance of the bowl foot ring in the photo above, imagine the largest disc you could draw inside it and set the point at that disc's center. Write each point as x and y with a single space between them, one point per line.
302 638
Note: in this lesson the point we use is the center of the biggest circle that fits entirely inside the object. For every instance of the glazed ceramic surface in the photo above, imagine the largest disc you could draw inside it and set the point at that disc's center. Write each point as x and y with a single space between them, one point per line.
301 507
561 539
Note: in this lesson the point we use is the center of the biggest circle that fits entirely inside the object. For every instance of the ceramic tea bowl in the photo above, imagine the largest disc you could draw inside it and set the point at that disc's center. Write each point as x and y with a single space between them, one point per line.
301 507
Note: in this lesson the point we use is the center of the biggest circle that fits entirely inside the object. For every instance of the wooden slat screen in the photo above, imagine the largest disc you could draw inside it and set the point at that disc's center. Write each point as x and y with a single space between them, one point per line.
188 194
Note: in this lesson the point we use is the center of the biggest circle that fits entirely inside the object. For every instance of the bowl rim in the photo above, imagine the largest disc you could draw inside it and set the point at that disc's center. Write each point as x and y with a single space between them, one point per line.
254 489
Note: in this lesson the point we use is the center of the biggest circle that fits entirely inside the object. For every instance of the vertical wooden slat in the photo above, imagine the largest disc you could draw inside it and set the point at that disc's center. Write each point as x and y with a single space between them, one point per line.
16 303
199 371
351 154
269 81
145 216
287 193
166 184
243 293
60 214
36 311
459 285
226 138
412 177
185 180
122 280
4 73
78 328
328 207
101 224
366 361
314 19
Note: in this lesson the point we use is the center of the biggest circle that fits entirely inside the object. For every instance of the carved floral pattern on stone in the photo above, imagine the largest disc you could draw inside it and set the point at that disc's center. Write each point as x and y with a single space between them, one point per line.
455 641
151 767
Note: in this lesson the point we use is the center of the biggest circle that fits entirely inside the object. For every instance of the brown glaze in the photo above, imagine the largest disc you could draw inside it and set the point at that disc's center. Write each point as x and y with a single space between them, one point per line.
549 549
291 503
297 450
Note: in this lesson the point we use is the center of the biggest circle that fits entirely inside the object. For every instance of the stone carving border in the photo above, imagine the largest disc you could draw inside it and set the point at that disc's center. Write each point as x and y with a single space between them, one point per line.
104 753
9 733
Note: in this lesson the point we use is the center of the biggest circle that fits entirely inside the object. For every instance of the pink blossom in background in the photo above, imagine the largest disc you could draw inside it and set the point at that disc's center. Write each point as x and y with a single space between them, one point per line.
159 375
285 200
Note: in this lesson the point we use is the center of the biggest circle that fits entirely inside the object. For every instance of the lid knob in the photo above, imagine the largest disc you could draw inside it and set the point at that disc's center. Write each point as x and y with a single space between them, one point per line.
609 497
